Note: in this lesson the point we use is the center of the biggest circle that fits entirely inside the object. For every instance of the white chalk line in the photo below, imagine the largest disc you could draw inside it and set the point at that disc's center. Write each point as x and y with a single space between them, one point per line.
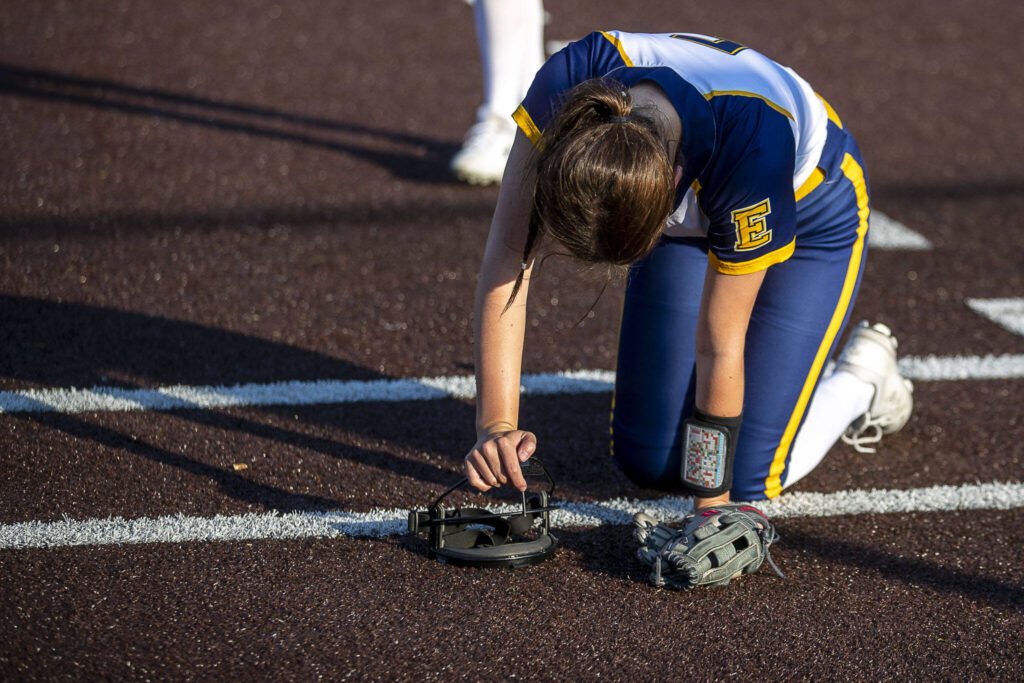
388 522
177 397
1008 312
888 234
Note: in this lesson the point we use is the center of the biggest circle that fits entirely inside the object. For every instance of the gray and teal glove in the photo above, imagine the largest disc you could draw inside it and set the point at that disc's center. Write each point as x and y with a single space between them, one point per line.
714 546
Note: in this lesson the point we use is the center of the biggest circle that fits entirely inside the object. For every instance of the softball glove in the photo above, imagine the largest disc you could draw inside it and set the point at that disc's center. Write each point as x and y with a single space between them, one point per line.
714 546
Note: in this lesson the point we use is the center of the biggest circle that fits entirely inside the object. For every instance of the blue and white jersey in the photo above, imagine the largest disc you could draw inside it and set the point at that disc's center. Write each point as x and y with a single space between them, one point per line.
753 133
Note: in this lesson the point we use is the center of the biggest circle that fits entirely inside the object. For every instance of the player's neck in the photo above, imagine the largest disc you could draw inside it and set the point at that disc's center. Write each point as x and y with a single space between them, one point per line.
647 95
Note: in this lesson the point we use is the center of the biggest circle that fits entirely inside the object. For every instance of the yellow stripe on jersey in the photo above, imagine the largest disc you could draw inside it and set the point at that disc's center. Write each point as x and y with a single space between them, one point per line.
817 176
618 46
526 124
744 93
832 115
754 265
853 171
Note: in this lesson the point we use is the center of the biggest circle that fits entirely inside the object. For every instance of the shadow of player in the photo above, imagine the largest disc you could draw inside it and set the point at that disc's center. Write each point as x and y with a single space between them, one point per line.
592 547
404 155
67 344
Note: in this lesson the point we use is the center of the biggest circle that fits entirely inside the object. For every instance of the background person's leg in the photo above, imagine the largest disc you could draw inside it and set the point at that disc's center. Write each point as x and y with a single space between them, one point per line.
510 34
654 383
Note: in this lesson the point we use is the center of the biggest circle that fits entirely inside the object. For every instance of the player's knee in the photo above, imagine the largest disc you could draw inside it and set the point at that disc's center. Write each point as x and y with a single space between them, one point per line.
645 464
653 460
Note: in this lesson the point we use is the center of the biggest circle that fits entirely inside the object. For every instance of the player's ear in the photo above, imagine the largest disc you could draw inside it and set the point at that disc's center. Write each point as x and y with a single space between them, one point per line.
679 175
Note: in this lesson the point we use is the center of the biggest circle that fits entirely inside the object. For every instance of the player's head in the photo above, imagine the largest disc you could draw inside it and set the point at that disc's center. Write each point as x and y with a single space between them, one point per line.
605 182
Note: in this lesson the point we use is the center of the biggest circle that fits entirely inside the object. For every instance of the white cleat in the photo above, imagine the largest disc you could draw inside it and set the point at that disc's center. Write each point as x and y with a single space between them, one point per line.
481 161
870 355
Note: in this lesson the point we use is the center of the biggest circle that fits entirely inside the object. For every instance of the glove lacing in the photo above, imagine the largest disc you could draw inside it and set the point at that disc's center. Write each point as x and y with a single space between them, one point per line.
768 536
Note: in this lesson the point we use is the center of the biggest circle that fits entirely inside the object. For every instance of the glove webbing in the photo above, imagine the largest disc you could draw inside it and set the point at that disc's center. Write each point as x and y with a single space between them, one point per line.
689 567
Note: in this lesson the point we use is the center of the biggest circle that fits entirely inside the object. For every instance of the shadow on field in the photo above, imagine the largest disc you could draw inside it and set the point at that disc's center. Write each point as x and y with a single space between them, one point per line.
609 551
231 484
413 157
911 570
45 343
960 189
472 207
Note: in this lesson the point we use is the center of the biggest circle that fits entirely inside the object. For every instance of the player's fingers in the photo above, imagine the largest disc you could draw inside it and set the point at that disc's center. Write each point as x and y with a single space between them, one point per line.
475 481
510 462
483 468
506 453
527 446
474 477
492 454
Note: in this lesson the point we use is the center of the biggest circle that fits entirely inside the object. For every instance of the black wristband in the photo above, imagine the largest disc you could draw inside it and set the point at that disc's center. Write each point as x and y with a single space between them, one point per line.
709 447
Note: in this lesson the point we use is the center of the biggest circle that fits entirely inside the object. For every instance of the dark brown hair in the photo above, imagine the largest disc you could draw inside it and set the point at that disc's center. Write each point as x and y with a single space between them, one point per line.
605 183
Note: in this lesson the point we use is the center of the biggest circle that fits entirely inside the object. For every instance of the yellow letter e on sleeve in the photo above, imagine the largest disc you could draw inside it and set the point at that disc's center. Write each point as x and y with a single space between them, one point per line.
751 230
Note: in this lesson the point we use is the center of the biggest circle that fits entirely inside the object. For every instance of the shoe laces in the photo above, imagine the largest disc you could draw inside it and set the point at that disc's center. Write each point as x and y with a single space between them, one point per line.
866 432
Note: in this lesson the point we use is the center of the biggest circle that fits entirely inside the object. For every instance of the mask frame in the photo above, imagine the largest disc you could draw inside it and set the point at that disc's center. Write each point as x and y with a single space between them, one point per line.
475 536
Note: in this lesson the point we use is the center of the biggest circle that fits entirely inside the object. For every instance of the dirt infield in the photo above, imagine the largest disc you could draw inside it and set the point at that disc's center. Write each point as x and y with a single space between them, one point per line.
204 194
873 595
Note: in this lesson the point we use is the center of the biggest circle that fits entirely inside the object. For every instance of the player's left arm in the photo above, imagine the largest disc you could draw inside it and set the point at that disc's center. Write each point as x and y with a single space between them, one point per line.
748 197
712 430
726 305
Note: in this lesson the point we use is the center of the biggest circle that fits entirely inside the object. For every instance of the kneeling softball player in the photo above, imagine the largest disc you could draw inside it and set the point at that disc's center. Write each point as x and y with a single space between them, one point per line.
740 202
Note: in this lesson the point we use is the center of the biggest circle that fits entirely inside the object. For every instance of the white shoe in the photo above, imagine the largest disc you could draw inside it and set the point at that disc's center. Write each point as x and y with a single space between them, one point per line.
870 355
481 161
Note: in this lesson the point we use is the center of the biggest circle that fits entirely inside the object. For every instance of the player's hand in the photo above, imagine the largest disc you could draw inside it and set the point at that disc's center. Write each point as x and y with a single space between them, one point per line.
494 460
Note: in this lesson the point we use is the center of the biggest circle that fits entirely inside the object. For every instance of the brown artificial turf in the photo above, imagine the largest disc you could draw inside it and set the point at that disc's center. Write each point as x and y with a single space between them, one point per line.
245 191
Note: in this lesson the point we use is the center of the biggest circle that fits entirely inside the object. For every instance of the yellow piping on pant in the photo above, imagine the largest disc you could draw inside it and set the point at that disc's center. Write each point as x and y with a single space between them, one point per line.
853 171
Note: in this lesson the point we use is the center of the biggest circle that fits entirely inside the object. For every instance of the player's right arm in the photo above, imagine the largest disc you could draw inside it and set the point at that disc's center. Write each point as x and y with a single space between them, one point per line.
501 445
499 331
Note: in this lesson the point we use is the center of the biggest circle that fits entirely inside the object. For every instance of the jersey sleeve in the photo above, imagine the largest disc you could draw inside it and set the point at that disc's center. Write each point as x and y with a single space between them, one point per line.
590 57
748 194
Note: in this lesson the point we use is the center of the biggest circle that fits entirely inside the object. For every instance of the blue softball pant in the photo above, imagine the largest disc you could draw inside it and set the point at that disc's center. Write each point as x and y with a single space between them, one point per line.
799 315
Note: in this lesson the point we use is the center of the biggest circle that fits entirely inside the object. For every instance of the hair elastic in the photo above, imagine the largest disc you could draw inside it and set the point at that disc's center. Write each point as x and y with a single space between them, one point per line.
618 119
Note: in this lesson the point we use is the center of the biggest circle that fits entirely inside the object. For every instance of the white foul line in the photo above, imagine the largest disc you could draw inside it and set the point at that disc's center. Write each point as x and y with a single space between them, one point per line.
379 523
935 368
72 400
891 235
1006 312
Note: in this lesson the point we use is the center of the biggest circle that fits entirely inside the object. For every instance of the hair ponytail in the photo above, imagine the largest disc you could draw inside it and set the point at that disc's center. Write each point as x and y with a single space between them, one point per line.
531 238
588 105
605 183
